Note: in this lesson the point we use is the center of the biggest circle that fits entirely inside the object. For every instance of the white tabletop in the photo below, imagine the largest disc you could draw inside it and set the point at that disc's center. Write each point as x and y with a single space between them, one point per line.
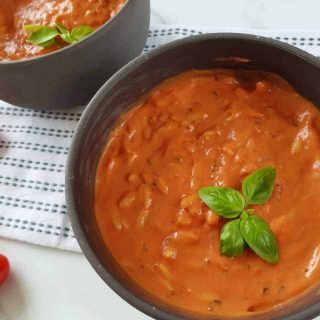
52 284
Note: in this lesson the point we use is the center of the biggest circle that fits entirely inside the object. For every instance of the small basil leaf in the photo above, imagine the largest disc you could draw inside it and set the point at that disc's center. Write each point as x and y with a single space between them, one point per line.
81 32
226 202
260 238
31 27
47 44
43 35
67 37
231 241
257 187
61 28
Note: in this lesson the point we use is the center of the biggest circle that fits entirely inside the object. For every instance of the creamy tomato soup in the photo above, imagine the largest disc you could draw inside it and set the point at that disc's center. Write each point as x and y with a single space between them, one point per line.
14 14
204 128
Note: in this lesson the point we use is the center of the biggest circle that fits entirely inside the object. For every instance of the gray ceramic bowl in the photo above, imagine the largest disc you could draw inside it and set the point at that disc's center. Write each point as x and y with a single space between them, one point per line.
72 75
201 52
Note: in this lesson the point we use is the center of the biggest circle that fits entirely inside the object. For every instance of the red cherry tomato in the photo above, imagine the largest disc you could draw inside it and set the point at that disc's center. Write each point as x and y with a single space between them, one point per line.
4 268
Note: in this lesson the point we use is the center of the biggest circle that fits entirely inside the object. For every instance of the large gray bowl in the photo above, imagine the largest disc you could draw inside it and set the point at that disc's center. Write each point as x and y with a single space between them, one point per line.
200 52
72 75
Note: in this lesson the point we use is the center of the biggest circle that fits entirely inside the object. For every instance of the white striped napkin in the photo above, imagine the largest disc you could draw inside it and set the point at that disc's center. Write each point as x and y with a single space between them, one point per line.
34 146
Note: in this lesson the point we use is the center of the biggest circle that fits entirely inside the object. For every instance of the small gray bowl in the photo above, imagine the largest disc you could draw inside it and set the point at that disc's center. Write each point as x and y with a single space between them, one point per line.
199 52
72 75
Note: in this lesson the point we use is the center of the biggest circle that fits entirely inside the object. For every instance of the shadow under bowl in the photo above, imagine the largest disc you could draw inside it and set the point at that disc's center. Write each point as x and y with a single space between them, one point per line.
299 68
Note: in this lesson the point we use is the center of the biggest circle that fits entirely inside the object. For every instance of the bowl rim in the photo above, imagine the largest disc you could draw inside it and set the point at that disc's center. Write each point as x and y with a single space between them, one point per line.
135 301
108 24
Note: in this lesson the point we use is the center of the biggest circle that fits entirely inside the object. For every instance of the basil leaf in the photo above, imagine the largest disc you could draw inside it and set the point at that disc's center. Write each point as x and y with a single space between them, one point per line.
257 187
43 35
31 27
231 241
226 202
260 238
47 44
67 37
81 32
61 28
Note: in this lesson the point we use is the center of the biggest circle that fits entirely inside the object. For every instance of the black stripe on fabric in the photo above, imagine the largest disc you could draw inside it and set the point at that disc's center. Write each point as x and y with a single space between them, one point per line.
37 131
301 41
173 31
33 147
298 39
148 47
36 128
15 109
31 184
33 205
36 227
29 164
44 116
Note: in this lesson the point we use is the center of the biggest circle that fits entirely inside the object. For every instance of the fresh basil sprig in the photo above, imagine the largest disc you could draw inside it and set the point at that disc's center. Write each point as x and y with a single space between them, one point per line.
248 228
45 36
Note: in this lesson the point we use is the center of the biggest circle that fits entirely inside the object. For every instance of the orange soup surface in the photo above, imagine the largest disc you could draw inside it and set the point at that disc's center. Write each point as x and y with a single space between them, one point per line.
204 128
14 14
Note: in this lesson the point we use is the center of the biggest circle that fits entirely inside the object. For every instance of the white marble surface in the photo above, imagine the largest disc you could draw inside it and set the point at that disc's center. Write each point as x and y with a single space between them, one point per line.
51 284
257 14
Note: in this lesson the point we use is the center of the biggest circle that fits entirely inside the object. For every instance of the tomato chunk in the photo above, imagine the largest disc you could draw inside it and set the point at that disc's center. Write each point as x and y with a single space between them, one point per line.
4 268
